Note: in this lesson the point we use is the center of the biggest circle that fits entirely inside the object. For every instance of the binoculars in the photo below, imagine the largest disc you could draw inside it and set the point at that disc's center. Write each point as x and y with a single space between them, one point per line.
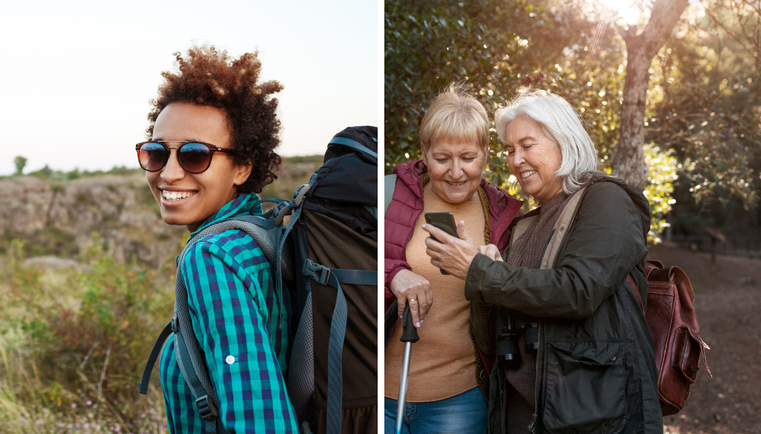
510 325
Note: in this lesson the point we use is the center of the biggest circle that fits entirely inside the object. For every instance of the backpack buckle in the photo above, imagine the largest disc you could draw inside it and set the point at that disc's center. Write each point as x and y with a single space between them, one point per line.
298 196
175 324
318 272
281 211
207 409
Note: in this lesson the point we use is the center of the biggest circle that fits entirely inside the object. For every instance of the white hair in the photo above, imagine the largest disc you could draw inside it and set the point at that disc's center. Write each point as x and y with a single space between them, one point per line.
560 123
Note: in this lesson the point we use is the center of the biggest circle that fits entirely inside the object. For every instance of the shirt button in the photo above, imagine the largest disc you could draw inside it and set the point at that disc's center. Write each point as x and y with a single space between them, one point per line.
612 359
230 360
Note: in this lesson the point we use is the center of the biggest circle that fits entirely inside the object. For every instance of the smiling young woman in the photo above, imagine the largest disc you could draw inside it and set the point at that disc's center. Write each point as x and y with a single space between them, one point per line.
212 136
184 198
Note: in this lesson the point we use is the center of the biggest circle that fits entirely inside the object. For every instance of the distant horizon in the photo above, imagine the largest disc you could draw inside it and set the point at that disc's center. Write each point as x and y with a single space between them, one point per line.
80 75
136 167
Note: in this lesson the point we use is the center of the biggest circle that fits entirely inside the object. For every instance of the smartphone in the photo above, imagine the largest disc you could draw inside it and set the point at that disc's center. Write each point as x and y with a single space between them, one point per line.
443 221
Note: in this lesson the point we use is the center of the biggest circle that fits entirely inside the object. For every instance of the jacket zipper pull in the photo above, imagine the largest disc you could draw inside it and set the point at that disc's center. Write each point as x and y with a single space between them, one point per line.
532 425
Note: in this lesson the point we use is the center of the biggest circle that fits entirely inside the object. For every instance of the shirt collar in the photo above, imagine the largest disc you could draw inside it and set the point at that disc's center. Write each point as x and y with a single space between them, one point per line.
241 205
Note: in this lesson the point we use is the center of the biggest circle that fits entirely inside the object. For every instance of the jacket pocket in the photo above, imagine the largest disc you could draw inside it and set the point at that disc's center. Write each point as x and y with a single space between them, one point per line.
585 388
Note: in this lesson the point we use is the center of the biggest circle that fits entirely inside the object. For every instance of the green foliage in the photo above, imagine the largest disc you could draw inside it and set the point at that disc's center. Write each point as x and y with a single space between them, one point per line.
430 46
86 333
543 47
61 176
500 48
298 159
707 96
663 172
20 162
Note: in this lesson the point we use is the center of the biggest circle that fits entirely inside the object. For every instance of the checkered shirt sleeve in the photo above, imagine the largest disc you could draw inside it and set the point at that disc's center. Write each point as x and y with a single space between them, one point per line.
234 309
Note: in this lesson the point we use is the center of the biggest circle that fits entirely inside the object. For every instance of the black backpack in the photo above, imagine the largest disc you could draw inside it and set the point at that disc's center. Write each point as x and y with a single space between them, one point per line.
338 206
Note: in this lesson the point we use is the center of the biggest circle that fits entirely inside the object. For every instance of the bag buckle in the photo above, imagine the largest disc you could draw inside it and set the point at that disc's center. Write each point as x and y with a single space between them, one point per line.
281 211
207 409
318 272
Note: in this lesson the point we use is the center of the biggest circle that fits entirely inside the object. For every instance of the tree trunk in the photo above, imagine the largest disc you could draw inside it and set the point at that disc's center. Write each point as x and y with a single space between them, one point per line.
629 160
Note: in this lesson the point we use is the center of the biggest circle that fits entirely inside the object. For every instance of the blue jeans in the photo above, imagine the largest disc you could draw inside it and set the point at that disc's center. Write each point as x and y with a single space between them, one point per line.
463 413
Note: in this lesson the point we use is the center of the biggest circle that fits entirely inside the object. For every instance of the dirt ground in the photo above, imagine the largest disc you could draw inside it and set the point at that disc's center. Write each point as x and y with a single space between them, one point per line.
728 302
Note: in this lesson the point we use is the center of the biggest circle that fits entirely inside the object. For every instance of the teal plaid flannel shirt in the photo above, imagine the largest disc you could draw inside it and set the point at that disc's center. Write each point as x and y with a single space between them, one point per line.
234 309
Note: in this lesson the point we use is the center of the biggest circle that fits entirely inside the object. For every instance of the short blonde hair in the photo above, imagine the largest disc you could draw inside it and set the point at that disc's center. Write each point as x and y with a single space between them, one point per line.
457 116
560 123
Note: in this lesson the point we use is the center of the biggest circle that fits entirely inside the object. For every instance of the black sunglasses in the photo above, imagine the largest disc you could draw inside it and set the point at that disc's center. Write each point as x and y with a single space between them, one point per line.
194 157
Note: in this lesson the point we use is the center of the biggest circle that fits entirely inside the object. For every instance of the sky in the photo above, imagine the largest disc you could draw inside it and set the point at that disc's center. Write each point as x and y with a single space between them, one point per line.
76 77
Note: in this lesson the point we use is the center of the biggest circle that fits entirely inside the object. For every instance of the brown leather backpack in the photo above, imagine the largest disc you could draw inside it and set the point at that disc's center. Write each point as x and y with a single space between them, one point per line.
669 314
679 350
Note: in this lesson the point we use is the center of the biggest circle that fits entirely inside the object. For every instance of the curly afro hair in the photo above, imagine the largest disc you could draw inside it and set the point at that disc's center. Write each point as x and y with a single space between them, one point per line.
212 78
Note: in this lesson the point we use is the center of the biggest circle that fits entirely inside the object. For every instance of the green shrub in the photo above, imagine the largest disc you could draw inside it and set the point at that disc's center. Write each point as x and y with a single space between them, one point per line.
663 166
73 337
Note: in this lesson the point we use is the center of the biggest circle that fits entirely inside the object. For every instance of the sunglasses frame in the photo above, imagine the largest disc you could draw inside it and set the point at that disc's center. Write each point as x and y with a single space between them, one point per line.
212 150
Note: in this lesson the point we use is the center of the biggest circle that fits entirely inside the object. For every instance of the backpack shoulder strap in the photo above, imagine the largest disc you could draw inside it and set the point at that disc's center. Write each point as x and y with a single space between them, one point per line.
389 184
520 228
561 229
267 235
189 358
142 386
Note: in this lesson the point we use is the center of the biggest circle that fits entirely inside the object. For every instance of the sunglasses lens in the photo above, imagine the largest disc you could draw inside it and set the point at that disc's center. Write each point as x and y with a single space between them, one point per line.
152 156
195 157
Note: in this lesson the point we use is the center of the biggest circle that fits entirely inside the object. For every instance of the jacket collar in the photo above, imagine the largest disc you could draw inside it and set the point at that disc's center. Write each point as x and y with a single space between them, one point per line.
412 172
639 199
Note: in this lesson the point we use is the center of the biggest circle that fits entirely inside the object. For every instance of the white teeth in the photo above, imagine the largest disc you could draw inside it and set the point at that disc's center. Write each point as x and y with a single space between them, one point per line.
456 183
527 174
177 195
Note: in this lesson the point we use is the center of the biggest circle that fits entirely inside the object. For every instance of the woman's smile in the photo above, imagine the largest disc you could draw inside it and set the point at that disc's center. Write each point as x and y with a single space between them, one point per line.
455 169
533 158
176 197
185 198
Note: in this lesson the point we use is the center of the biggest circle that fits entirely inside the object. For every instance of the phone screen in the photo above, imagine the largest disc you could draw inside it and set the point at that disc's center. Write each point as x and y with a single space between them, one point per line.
443 221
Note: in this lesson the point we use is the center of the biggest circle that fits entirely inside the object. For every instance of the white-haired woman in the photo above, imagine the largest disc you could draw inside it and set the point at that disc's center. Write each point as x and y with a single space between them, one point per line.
575 350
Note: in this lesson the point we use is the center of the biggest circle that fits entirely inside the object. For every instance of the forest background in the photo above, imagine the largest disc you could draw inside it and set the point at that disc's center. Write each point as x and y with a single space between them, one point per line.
673 88
702 131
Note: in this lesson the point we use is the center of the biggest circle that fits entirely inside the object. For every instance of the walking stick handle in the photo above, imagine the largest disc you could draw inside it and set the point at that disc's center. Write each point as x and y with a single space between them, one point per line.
409 333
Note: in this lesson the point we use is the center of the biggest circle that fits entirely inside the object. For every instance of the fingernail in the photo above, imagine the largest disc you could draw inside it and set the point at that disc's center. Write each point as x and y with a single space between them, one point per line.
400 316
421 321
417 324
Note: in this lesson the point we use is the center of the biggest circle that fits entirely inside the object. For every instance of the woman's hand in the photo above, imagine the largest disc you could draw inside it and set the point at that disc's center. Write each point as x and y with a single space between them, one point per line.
408 286
491 251
451 254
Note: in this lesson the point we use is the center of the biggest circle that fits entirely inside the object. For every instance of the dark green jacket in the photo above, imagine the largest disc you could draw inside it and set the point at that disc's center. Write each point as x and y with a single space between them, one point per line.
595 364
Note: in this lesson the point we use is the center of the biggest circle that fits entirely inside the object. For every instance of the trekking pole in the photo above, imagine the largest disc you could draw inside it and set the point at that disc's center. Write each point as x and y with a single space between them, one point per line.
409 336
